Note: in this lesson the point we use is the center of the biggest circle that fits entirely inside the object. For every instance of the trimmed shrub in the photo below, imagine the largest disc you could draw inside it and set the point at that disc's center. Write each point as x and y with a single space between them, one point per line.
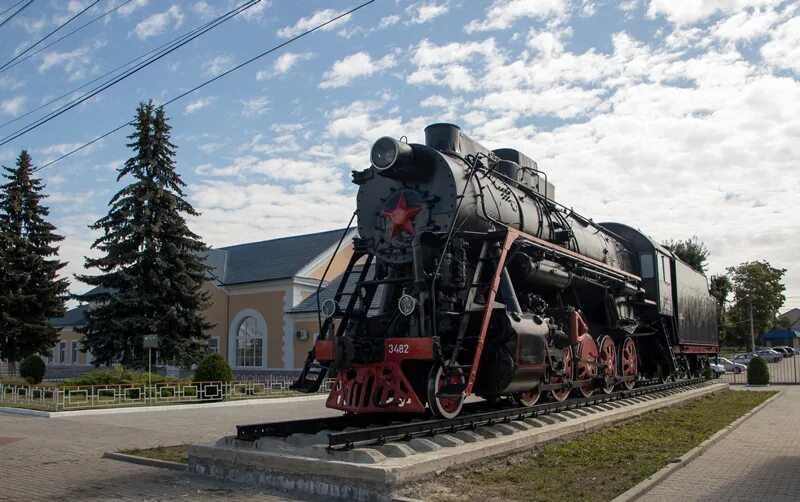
32 369
213 368
757 372
708 373
116 376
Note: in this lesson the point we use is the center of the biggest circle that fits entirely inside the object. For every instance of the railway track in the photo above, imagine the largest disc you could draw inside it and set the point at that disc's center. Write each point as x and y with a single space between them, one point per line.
350 431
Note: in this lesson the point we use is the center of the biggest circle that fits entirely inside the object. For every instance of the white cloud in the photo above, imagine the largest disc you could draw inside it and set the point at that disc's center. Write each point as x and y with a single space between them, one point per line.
12 106
285 61
217 65
388 21
129 8
198 104
563 101
354 66
318 17
504 13
158 23
783 50
254 107
75 62
680 12
428 11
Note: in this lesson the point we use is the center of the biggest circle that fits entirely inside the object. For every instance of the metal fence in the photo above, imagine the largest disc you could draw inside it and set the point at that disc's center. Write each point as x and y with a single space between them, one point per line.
784 371
81 397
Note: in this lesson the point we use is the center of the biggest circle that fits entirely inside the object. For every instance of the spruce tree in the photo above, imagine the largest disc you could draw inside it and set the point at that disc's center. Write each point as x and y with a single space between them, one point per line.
151 266
30 290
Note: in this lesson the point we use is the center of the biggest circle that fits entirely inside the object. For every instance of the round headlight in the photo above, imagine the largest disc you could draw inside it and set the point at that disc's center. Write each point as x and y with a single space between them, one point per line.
407 304
329 308
384 153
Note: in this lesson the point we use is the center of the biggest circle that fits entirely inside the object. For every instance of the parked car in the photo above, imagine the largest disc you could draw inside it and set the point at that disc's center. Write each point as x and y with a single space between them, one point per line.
782 351
769 355
788 351
731 366
744 358
717 369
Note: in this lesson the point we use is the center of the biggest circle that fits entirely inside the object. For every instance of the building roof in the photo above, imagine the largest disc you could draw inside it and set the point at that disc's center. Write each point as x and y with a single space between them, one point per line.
72 317
793 316
309 305
773 335
270 260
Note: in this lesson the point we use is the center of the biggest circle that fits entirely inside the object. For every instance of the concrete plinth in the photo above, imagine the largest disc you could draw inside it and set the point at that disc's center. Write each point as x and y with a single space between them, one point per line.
304 465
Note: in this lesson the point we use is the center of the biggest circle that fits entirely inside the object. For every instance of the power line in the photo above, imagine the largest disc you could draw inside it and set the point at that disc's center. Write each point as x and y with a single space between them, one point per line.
9 18
97 90
110 72
259 56
54 42
8 9
49 34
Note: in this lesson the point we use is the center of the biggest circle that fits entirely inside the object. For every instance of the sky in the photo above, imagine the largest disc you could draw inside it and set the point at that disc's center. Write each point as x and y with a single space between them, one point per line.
679 118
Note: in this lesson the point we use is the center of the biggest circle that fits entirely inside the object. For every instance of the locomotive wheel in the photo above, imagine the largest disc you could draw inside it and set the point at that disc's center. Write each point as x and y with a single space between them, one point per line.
561 394
444 407
608 357
628 362
587 364
528 398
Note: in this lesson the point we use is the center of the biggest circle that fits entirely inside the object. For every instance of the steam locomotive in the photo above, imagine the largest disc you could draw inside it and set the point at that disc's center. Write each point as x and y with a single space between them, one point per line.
468 277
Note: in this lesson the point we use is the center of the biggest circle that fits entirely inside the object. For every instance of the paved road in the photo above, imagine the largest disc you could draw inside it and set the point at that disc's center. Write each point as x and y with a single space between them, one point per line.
758 461
61 458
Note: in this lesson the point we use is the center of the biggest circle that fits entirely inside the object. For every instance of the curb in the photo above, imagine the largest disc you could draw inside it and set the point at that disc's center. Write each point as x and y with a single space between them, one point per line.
166 407
150 462
648 484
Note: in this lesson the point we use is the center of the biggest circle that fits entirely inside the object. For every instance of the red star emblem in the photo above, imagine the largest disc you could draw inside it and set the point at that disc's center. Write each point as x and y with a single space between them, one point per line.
401 216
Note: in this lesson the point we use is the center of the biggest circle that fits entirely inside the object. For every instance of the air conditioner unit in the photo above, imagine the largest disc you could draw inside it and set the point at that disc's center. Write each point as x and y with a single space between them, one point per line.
301 334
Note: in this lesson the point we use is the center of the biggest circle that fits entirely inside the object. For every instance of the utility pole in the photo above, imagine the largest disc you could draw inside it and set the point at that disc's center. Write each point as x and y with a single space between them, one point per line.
752 333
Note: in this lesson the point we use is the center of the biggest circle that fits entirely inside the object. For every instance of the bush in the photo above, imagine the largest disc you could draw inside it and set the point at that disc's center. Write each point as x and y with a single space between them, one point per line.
116 376
32 369
213 368
757 372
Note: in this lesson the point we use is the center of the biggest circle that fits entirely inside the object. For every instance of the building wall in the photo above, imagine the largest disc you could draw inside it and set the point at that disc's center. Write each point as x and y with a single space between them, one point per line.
301 347
218 315
268 302
337 267
270 306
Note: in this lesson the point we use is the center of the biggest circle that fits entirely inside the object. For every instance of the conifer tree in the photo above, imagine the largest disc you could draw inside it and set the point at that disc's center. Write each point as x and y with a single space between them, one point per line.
30 290
152 267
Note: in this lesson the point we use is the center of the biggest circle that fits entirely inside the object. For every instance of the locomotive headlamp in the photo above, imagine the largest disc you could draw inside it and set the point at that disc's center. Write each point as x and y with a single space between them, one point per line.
387 152
329 308
407 304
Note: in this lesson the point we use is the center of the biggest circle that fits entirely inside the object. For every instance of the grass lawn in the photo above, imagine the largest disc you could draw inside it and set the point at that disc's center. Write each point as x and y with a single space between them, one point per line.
599 465
174 453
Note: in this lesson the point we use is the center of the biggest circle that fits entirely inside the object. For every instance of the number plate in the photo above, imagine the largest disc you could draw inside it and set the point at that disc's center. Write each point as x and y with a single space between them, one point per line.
398 349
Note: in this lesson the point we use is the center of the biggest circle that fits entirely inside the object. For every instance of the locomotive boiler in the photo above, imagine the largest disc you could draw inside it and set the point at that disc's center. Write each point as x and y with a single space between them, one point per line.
468 277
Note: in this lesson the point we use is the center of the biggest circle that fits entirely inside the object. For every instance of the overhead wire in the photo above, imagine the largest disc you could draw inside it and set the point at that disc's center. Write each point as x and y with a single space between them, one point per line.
54 42
9 18
11 7
110 72
97 90
30 47
207 82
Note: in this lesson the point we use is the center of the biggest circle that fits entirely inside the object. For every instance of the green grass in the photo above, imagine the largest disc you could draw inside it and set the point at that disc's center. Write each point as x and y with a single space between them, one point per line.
603 464
174 453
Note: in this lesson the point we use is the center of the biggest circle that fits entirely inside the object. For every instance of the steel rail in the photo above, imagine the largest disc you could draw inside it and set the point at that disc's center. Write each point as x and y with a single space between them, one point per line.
379 429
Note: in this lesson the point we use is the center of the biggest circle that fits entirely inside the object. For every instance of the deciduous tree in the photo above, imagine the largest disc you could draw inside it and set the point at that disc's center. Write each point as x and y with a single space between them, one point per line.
152 268
692 251
762 284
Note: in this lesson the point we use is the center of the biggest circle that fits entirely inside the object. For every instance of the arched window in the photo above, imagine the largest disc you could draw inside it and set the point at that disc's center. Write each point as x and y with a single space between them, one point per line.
249 343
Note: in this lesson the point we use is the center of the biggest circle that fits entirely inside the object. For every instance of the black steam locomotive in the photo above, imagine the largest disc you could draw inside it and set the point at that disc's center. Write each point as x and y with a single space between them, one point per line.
469 278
